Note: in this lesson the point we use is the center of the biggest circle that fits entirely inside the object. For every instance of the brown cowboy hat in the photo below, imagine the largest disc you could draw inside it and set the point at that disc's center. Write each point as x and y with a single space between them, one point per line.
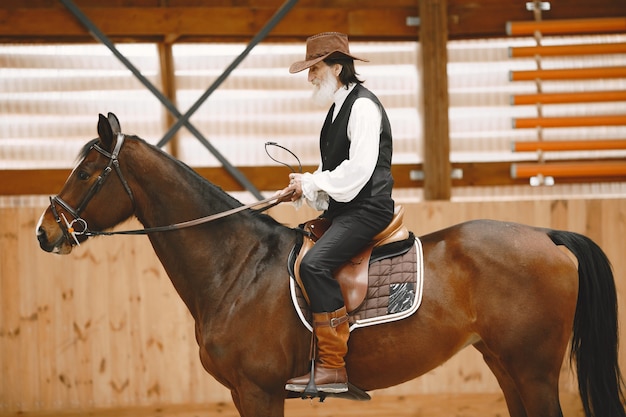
321 46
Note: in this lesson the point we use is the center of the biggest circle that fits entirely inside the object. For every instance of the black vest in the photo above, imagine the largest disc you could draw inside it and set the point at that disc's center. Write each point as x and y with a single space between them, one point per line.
335 147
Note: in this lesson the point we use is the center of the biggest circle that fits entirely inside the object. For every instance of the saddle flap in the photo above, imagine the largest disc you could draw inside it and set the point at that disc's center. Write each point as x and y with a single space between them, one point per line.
353 278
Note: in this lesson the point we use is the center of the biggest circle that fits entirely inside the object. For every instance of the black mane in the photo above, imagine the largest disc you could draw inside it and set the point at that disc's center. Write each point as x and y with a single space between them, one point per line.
83 152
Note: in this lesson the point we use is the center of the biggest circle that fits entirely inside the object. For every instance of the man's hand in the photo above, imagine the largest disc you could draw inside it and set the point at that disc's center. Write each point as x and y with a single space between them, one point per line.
293 191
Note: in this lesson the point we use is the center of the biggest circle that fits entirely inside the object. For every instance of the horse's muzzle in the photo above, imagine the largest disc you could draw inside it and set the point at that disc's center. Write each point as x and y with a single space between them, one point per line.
50 243
42 237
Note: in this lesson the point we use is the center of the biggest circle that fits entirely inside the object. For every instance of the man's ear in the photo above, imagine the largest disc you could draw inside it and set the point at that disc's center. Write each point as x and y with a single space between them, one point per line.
337 68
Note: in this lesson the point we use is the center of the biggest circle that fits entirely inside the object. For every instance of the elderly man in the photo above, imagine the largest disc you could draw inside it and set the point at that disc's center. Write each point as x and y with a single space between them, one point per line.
352 186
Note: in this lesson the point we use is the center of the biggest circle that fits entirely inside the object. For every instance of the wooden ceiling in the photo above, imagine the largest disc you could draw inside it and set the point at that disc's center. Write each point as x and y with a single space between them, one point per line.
239 20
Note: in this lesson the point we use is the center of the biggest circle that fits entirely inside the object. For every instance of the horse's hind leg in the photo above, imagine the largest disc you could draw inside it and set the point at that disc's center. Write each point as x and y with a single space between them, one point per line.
540 393
257 403
509 389
529 381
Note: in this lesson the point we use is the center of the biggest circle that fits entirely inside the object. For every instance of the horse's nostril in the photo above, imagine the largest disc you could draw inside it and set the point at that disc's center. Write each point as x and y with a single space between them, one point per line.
41 235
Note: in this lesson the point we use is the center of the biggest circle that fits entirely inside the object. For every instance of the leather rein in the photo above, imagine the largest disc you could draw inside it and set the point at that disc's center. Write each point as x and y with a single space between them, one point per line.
71 232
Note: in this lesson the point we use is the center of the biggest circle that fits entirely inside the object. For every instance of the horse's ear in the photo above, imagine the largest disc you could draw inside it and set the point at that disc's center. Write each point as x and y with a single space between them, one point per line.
115 124
105 132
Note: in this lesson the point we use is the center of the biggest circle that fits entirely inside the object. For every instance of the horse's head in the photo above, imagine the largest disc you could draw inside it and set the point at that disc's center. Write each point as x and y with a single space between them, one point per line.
89 200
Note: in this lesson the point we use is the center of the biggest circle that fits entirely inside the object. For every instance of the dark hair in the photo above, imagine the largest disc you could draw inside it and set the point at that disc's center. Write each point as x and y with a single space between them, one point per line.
348 74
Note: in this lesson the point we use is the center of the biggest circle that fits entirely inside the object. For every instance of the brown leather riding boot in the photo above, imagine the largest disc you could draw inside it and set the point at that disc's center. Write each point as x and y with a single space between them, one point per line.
331 331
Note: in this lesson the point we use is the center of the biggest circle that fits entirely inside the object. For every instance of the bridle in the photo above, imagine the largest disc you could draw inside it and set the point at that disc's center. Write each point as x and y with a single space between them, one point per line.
68 228
70 232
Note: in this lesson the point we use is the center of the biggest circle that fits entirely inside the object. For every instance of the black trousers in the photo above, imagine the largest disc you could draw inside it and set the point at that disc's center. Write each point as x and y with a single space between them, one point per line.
349 232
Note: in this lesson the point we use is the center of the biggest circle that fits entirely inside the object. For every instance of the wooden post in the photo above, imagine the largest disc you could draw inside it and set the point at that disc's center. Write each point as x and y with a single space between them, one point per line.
433 40
168 82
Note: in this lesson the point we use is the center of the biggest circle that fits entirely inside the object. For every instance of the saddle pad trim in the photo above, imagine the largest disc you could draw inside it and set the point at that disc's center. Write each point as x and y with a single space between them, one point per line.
419 286
419 283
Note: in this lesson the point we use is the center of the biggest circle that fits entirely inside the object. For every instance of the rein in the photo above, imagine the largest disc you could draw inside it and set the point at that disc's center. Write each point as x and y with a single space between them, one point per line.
71 233
190 223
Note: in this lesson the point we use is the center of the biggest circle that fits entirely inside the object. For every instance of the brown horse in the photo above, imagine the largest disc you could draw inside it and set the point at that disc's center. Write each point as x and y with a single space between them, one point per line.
509 290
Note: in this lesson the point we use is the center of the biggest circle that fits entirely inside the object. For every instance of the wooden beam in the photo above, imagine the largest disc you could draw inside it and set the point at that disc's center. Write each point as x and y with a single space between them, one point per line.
203 23
168 83
570 169
567 50
573 121
434 56
574 97
487 18
568 145
32 181
571 26
569 74
46 21
271 178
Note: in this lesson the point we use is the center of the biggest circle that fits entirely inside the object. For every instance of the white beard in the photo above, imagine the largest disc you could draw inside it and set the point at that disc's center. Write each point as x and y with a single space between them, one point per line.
323 93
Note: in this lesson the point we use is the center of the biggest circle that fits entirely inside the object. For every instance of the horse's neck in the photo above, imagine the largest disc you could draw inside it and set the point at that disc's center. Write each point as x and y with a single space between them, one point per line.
169 193
192 257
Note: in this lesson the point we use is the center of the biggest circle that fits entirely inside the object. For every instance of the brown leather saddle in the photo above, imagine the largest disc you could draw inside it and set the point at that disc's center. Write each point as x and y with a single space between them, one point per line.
353 275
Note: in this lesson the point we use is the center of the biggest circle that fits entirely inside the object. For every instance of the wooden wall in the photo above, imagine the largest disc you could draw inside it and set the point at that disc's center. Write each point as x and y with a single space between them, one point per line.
103 327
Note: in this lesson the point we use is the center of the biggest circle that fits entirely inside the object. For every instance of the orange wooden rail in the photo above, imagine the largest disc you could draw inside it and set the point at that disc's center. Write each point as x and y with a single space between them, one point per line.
573 121
569 169
572 26
575 97
568 145
566 50
569 74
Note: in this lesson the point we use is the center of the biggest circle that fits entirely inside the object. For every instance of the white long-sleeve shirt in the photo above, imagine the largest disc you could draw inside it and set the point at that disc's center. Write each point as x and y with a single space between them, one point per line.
344 182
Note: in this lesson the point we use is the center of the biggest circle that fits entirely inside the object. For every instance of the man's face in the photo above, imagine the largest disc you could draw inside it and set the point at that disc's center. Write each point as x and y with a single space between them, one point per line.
325 80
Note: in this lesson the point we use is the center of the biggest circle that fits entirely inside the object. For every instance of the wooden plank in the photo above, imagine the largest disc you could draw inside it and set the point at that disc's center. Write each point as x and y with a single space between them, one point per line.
266 178
32 181
49 345
167 68
569 74
434 56
432 405
10 329
48 4
567 50
484 174
102 266
487 18
572 97
570 121
234 23
612 232
238 20
571 26
615 169
568 145
28 317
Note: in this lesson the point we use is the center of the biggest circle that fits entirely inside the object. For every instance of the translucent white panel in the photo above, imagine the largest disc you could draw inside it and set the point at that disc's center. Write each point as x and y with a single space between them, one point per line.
50 97
261 101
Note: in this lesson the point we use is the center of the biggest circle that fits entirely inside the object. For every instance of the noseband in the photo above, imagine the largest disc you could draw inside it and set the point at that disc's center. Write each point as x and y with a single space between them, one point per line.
69 230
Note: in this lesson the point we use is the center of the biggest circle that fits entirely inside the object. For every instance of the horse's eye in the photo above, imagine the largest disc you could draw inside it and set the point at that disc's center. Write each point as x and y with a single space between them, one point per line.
83 175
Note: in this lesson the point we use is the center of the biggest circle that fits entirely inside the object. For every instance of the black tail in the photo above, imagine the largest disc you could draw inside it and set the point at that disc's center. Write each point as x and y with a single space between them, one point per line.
595 338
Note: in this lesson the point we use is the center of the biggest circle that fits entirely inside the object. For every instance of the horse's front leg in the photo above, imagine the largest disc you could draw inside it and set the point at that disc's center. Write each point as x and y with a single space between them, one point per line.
252 401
